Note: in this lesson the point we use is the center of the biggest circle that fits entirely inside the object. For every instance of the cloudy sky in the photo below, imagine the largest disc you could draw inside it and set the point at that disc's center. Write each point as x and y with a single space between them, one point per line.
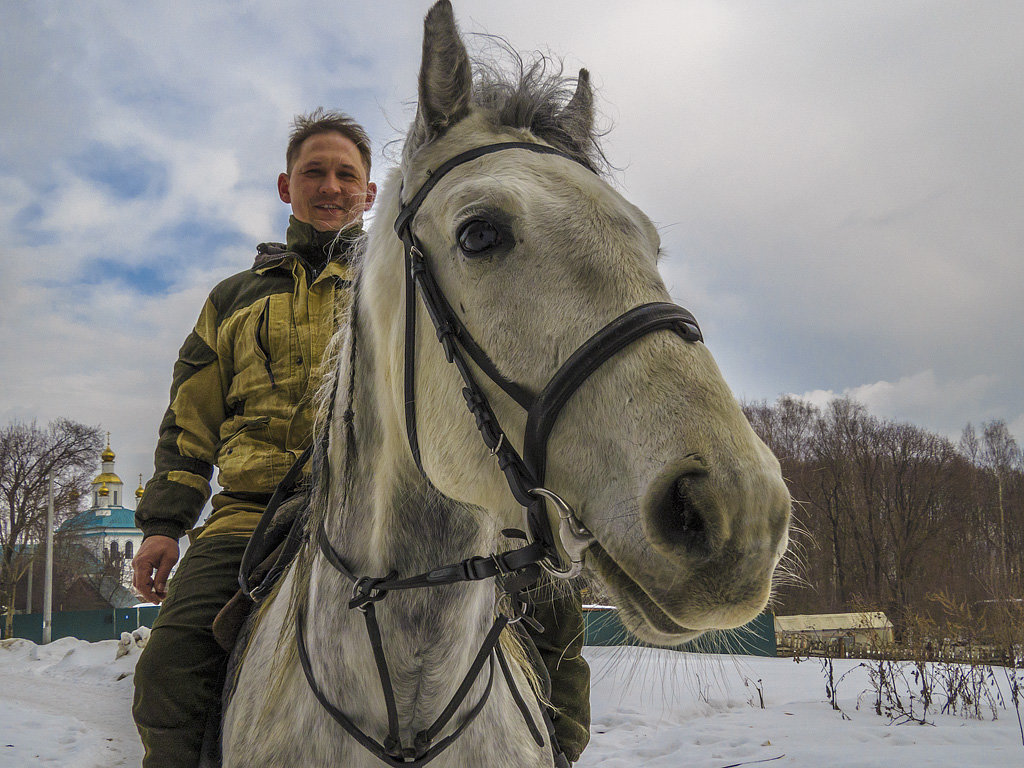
839 185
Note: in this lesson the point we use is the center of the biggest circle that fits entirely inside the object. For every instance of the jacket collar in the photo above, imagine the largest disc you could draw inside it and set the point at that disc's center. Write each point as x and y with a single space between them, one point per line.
308 245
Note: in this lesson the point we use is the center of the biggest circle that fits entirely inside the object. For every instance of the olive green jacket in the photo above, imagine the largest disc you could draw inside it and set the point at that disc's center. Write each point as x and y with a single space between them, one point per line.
244 384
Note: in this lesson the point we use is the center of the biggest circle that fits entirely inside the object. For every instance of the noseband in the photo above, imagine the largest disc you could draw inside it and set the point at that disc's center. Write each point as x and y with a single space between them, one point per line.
524 474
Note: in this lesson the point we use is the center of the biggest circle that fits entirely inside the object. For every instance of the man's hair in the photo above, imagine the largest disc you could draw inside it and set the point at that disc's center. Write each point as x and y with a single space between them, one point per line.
321 120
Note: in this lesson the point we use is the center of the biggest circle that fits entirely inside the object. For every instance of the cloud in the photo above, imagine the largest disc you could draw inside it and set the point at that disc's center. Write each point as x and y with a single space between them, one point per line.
945 405
123 172
837 188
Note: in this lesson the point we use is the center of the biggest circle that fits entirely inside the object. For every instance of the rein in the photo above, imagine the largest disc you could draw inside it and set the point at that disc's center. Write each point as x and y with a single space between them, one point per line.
560 552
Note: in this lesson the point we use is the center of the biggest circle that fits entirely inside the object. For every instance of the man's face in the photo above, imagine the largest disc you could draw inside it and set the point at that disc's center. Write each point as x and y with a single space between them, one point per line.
327 186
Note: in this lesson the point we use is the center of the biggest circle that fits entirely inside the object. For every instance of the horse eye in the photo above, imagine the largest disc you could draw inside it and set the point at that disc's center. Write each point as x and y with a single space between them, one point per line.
477 236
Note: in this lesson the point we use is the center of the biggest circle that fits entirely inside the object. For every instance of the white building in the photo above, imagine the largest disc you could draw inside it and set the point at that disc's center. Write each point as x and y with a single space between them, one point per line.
843 632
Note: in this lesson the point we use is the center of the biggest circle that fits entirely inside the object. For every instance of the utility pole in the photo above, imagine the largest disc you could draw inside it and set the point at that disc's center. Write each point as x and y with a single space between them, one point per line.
48 582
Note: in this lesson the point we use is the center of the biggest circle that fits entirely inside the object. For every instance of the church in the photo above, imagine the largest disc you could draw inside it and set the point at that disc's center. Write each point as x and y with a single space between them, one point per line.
106 532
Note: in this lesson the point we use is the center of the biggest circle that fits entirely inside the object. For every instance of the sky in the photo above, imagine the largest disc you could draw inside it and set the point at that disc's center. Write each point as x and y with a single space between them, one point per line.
838 186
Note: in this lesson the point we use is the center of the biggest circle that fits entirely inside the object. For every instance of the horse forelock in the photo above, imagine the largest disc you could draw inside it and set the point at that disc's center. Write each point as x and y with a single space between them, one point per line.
533 93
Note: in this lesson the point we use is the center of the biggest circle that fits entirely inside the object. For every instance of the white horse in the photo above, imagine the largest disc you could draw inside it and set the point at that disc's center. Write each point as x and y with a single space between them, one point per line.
665 492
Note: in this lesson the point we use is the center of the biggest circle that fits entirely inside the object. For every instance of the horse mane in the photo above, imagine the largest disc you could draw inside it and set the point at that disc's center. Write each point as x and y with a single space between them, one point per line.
532 94
335 375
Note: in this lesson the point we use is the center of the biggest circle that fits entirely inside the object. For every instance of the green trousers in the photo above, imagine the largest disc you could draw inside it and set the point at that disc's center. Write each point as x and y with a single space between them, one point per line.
180 676
560 610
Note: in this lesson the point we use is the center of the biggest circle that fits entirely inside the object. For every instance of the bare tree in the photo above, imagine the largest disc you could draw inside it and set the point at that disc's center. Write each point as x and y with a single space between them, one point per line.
1001 456
892 513
28 456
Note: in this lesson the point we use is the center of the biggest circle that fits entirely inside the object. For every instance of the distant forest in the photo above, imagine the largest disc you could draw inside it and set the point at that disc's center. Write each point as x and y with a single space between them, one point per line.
889 516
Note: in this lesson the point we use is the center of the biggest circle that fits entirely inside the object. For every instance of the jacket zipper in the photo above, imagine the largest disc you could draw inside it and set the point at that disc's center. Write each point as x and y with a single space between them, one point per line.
264 322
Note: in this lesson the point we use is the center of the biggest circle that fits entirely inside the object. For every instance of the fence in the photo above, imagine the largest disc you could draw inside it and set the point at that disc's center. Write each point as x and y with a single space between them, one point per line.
104 624
602 628
756 638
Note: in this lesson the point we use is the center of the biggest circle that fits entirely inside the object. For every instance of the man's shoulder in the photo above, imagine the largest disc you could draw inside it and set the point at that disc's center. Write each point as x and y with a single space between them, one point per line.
250 285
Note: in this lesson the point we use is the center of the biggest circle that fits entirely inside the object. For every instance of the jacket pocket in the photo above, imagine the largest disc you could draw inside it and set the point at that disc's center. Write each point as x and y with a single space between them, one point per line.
247 457
261 424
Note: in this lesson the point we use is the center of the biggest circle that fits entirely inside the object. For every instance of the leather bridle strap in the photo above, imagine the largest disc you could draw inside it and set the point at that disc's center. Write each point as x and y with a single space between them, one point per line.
424 751
629 327
447 324
519 570
404 219
475 568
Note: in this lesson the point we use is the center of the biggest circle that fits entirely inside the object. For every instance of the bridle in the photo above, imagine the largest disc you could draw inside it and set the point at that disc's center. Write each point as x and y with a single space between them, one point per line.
525 474
559 553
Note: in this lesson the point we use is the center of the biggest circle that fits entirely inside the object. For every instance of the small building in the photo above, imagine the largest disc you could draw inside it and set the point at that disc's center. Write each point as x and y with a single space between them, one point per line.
839 633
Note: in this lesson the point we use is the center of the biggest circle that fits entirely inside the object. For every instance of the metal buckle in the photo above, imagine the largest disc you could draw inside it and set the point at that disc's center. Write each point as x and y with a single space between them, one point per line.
503 570
573 537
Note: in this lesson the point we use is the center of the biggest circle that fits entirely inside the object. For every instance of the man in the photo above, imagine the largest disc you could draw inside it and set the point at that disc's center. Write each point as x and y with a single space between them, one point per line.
242 399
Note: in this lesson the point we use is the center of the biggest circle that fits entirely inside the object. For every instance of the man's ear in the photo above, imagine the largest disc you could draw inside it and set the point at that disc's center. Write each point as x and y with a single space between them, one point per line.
282 188
371 195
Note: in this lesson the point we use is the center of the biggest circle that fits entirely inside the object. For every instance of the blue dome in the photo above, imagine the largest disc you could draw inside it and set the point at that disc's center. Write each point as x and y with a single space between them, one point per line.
119 518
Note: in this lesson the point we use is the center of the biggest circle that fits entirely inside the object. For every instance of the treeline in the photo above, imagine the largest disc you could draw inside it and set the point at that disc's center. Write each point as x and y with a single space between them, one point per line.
889 516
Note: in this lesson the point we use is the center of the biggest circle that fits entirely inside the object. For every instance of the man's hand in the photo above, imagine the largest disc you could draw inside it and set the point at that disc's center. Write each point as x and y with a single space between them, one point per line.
159 554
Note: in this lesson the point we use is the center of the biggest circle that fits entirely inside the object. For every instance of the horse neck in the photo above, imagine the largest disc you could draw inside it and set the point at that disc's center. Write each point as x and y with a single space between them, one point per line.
392 520
385 514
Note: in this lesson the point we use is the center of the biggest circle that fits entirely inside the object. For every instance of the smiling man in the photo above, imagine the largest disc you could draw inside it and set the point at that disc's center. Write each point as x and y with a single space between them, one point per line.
242 399
326 183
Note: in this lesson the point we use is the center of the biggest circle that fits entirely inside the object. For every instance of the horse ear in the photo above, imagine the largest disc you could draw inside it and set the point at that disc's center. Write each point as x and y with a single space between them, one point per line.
446 79
577 118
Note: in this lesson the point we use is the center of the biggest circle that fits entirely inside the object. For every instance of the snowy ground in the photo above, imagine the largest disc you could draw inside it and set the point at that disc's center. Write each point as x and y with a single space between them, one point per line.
68 705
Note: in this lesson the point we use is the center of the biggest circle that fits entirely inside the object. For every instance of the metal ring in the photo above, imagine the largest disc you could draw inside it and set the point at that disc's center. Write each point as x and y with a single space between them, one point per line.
359 591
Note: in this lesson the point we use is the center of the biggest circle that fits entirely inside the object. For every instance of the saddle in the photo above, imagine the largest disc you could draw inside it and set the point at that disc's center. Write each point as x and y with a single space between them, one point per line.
276 550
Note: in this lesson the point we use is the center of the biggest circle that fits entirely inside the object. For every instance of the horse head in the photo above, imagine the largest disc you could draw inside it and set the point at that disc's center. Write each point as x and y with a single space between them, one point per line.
536 252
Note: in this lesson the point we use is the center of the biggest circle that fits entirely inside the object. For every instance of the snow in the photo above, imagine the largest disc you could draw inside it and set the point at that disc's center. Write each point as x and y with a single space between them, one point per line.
68 704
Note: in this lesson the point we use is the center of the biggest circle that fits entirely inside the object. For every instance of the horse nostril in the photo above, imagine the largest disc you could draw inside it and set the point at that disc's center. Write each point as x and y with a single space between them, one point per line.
682 522
684 513
677 514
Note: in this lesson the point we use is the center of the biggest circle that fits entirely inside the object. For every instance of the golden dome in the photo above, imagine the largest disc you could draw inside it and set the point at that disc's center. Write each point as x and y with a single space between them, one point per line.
140 490
103 490
106 477
107 454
